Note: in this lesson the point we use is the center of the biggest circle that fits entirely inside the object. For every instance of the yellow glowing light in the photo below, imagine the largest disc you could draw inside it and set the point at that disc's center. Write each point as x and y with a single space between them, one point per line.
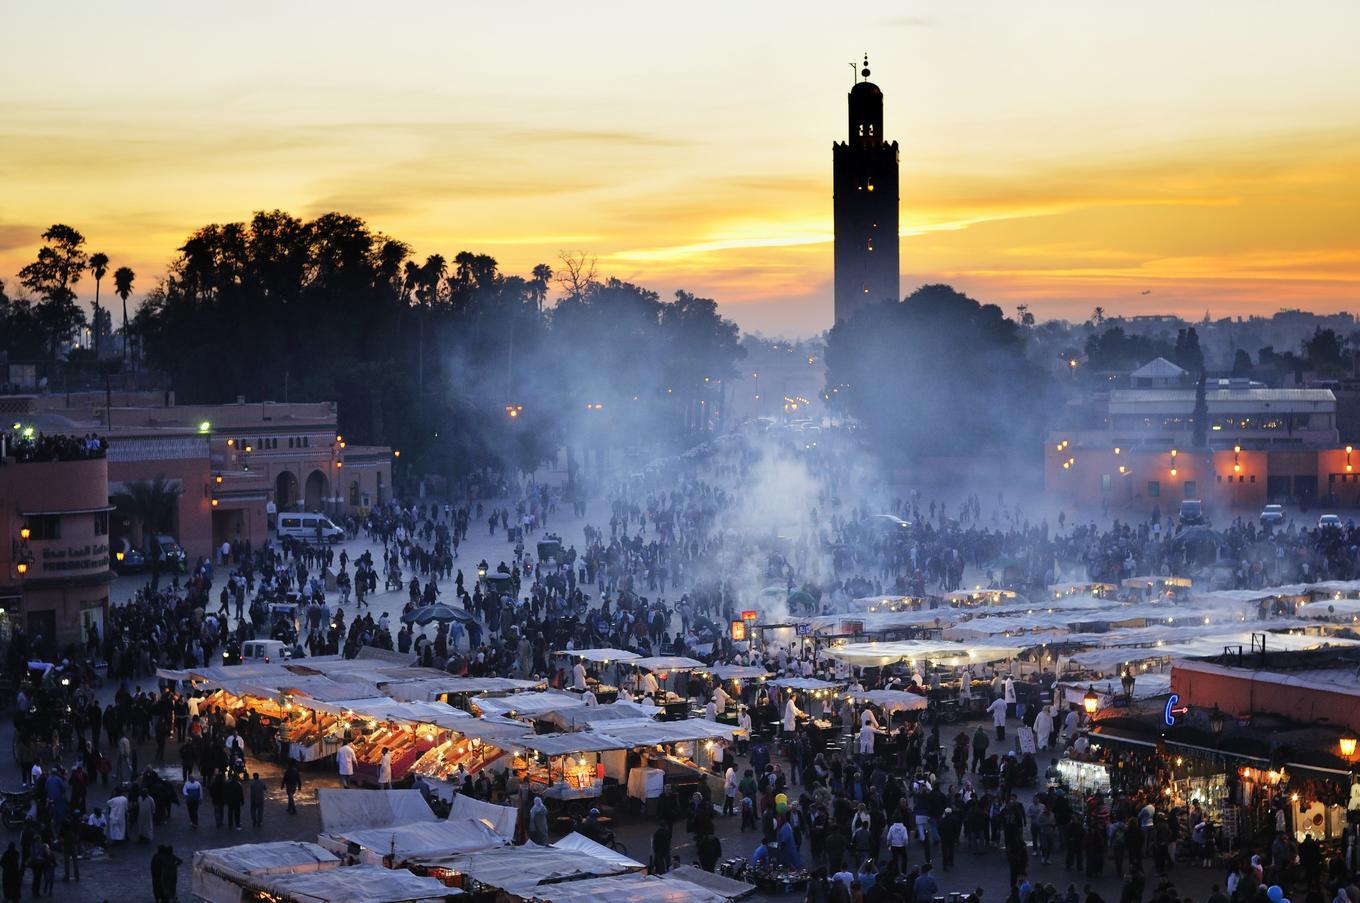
1347 745
1173 471
1237 468
21 567
25 533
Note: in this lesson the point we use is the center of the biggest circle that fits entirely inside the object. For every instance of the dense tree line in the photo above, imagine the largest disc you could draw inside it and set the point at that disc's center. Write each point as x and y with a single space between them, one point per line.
938 374
457 364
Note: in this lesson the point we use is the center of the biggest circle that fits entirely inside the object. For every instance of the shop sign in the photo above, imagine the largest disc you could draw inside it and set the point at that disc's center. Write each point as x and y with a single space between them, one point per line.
94 556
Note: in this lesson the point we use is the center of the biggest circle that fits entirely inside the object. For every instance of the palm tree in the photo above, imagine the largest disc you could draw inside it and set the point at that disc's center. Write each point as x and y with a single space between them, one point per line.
99 265
122 287
427 280
149 503
1098 316
542 274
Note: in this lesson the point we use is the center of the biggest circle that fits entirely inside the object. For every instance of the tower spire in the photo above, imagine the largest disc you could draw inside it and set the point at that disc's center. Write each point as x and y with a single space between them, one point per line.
865 71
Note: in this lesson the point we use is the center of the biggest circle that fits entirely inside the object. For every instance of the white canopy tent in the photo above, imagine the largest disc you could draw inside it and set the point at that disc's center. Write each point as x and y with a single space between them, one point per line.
1116 659
414 840
358 884
569 744
429 688
669 663
600 656
519 871
810 684
737 672
344 810
223 875
890 700
501 819
529 705
579 843
645 732
587 716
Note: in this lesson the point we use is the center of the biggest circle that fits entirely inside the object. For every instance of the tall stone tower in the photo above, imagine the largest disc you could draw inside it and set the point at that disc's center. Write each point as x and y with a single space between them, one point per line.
865 186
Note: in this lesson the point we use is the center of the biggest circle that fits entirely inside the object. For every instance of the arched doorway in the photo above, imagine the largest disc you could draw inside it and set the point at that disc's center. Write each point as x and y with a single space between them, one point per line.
354 493
286 491
318 487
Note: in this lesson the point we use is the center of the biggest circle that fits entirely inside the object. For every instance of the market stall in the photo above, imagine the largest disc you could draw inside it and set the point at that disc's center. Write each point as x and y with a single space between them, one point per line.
673 703
518 871
234 874
356 884
395 845
565 766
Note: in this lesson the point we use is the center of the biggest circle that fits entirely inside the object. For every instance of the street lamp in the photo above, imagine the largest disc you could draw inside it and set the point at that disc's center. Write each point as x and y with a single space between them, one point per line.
1217 721
1347 745
1128 680
1090 702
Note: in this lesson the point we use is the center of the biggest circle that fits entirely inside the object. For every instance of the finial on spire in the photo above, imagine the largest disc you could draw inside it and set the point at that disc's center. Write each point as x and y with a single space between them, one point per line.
865 71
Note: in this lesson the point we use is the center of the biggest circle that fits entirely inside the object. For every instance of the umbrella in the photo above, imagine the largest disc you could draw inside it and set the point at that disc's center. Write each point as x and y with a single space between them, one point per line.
437 612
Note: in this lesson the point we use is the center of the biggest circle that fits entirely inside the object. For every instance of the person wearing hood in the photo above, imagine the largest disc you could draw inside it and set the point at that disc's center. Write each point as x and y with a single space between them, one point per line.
538 822
1043 727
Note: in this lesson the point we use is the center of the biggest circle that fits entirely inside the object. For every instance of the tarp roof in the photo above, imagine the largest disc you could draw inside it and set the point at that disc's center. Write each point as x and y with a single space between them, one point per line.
627 889
1199 647
580 718
645 732
425 689
942 651
566 744
582 844
729 888
420 839
342 810
530 704
737 672
265 858
600 655
891 700
359 884
806 683
501 819
668 663
440 714
520 870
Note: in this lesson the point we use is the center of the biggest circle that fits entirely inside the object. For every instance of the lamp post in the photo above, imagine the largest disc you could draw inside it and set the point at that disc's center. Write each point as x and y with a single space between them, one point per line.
1090 702
1347 745
1217 721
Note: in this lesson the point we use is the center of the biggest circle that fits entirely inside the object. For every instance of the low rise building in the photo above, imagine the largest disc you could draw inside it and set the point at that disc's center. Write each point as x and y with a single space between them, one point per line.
54 545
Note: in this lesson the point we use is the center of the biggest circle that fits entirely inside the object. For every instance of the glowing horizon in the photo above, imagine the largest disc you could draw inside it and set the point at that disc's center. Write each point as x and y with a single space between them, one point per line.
1061 156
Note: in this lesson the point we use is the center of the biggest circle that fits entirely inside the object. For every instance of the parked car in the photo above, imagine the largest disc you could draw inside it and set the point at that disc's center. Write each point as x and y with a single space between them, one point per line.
1192 513
127 560
1272 515
173 556
1330 522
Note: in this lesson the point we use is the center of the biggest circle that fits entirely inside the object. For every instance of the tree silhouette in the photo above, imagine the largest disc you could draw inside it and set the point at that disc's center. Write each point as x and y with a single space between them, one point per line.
52 276
122 287
99 265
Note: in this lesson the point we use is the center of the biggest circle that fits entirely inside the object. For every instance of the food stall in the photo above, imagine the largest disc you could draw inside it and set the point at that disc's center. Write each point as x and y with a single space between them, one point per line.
564 766
601 658
355 884
1084 777
674 705
740 682
474 745
407 729
679 753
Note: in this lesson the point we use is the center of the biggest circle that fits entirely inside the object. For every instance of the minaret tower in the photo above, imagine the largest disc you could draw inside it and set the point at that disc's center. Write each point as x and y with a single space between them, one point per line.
865 200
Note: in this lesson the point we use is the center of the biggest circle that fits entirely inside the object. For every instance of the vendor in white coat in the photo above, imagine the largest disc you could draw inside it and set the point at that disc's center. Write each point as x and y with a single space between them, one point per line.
744 723
649 684
866 739
998 712
385 769
867 718
721 699
966 684
792 713
344 762
578 675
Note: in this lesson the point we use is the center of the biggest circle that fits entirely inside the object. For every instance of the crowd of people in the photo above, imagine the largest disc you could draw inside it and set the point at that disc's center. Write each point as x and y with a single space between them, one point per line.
27 447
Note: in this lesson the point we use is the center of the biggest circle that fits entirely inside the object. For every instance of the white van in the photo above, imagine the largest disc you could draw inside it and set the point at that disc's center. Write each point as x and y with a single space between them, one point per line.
304 526
256 651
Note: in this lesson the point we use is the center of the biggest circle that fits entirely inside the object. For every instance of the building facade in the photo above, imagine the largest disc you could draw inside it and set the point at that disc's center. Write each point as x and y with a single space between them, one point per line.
1262 446
865 185
54 549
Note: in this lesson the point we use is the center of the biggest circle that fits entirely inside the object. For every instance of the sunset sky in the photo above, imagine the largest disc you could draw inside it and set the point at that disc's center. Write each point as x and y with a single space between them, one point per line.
1060 154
